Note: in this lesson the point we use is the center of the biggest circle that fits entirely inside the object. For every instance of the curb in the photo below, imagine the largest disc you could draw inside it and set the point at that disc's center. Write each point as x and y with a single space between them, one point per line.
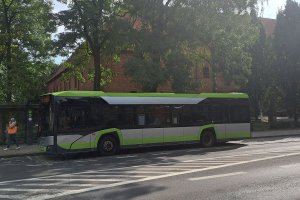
20 155
275 136
41 153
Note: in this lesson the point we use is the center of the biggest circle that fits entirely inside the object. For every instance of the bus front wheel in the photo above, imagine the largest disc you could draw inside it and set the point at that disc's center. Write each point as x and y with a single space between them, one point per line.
208 139
108 145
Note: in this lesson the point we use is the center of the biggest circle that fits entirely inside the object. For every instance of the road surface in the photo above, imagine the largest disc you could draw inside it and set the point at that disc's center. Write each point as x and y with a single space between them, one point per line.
250 169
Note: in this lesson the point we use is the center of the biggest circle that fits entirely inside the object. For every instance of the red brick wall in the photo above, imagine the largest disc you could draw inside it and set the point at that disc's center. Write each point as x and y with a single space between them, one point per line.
122 83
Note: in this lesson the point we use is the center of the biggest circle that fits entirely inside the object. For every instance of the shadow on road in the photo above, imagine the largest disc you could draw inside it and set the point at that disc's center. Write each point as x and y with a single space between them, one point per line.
127 159
132 192
150 153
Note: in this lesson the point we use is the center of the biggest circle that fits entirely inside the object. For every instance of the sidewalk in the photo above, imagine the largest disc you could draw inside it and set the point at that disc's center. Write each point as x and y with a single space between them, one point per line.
275 133
27 150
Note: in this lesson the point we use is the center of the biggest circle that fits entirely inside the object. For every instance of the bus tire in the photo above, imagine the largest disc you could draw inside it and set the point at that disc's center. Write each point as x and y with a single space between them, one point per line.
108 145
208 139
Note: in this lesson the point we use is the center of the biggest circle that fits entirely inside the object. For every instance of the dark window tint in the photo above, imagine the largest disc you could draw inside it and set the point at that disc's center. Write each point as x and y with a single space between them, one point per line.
176 115
195 115
239 114
82 114
218 114
157 116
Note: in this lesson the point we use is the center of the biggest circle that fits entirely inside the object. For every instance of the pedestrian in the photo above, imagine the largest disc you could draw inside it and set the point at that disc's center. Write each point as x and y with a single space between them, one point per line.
12 129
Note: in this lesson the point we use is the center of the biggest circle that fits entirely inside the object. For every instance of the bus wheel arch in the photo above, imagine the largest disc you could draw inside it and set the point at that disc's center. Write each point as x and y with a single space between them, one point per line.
208 137
108 144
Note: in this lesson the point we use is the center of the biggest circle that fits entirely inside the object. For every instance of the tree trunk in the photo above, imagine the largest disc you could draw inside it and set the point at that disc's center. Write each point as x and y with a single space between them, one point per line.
213 72
271 115
256 109
97 66
296 118
214 82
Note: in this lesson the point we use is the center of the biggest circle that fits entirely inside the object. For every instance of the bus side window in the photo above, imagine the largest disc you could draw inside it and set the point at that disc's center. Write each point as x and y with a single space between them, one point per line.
175 115
157 115
218 114
140 118
239 114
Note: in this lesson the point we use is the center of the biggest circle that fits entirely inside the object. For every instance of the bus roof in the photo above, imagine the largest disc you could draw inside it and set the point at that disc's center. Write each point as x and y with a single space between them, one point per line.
108 94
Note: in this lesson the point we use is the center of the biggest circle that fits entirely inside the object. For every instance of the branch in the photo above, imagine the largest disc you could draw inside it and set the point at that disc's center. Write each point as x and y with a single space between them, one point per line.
168 2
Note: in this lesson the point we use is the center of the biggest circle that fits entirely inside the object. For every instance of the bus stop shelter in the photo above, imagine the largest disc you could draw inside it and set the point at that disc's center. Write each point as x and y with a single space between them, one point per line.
27 116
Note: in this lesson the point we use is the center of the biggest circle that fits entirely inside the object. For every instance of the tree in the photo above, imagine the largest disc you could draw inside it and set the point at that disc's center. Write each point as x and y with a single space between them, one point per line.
287 49
25 44
225 29
99 23
255 85
272 96
162 45
219 32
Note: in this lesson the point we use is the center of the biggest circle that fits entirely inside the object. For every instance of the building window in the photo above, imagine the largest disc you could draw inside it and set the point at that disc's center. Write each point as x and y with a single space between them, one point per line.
205 72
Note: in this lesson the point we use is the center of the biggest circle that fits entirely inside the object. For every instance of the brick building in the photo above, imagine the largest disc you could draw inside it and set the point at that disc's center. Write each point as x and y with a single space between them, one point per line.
123 83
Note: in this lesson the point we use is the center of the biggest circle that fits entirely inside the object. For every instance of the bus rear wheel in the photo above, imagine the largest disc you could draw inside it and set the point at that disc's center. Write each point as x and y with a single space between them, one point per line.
108 145
208 139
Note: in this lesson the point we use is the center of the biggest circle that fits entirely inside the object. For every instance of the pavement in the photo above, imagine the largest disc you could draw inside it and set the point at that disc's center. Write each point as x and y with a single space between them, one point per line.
25 150
29 150
275 133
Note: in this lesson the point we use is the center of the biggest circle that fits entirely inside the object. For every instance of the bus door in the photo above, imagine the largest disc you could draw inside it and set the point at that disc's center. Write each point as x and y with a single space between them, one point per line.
173 132
155 120
73 132
219 119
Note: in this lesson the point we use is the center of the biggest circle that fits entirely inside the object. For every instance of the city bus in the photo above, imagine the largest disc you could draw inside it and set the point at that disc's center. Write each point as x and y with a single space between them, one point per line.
86 121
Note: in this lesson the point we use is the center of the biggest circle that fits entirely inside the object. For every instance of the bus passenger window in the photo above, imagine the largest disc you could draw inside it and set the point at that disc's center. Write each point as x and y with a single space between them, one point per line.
141 120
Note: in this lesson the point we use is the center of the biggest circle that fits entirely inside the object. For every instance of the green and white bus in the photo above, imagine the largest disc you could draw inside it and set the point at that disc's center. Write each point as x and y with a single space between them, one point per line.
80 121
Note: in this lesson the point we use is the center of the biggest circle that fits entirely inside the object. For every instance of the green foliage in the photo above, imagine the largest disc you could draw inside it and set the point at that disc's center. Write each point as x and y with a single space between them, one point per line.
223 29
226 30
287 48
77 66
260 53
145 72
25 48
99 23
158 45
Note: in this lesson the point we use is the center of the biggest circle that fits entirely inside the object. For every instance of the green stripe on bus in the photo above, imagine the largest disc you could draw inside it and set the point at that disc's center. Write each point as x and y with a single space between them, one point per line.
81 145
153 140
104 132
238 135
132 142
64 145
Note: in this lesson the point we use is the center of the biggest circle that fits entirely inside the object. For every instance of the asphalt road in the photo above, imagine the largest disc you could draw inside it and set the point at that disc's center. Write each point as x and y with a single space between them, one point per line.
250 169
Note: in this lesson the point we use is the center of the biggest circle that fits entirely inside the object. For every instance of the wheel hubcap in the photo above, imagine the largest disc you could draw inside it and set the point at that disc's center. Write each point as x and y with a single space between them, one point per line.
108 145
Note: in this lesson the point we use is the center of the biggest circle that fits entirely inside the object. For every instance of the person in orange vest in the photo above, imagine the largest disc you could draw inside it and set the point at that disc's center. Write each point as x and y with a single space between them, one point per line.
12 132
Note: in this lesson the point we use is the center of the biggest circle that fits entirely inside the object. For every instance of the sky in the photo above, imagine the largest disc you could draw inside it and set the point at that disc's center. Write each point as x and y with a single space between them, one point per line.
271 8
270 11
